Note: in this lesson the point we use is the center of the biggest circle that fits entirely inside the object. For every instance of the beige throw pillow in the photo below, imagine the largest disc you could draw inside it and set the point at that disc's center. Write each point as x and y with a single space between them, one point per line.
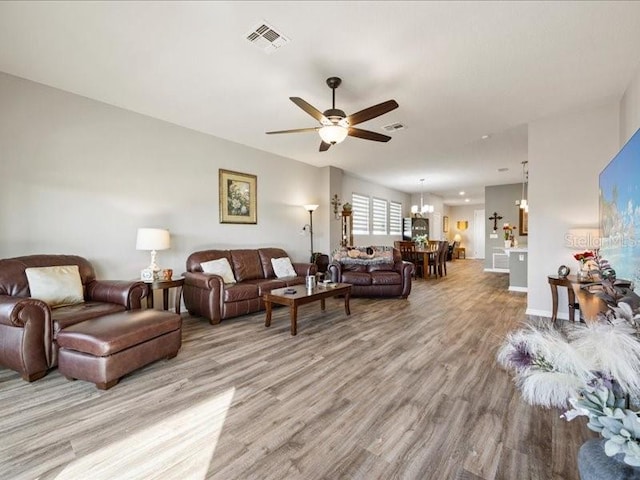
219 267
282 267
58 286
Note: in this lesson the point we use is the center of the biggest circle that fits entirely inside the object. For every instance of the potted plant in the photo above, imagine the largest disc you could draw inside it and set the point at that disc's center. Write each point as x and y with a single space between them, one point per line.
421 240
508 234
590 370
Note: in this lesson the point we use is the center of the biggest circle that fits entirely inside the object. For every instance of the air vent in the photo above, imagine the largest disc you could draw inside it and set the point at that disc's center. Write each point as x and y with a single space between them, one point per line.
266 38
394 127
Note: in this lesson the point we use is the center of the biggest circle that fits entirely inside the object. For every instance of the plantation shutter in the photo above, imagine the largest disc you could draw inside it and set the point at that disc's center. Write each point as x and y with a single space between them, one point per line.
395 218
360 213
379 216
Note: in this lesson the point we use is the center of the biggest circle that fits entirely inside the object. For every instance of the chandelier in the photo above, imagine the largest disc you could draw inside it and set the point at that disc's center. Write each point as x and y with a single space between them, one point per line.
423 209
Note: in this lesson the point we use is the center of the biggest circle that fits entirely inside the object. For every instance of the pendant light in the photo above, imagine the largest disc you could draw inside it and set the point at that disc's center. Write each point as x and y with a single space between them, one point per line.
423 208
524 204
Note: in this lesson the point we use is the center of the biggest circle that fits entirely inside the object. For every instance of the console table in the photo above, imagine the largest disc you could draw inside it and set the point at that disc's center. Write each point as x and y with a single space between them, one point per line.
589 303
556 281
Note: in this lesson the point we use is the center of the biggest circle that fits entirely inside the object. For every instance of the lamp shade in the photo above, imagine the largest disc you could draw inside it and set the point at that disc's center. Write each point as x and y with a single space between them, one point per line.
310 208
333 133
457 237
152 239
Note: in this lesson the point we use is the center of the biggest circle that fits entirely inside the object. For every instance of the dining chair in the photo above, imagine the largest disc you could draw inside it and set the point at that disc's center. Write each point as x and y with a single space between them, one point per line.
409 254
443 249
432 259
452 249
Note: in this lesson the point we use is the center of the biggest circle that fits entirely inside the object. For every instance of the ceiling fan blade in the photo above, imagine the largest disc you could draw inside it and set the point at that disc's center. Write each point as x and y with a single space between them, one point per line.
368 135
324 146
372 112
311 110
296 130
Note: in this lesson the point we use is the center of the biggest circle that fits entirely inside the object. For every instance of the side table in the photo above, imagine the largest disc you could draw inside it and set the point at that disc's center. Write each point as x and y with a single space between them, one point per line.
459 250
165 285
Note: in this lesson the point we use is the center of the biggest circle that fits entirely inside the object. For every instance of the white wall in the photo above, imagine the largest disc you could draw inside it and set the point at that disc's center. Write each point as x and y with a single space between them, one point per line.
463 212
566 154
630 110
78 176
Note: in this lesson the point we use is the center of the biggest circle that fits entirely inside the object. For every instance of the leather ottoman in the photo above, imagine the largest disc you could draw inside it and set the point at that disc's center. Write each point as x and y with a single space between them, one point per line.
104 349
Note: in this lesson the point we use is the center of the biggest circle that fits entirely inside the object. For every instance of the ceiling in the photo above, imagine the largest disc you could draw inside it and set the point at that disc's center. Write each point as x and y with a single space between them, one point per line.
459 70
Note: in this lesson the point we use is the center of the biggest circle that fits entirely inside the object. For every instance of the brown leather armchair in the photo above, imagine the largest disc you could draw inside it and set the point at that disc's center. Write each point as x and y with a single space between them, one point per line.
28 326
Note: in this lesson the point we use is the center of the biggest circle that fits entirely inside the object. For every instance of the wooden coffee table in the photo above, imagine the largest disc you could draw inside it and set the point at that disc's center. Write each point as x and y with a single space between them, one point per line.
301 297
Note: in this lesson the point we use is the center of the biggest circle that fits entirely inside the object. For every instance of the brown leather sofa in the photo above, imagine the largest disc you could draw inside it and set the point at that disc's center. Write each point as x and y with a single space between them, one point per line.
28 326
378 280
206 295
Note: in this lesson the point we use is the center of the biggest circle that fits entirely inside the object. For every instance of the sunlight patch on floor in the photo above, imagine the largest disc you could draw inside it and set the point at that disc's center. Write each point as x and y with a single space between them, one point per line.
181 447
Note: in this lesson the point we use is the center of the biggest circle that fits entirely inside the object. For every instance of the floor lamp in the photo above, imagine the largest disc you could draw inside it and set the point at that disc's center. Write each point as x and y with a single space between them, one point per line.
311 209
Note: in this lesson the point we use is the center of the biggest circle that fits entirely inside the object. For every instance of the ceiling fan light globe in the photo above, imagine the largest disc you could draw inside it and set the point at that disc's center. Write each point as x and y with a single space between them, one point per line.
333 134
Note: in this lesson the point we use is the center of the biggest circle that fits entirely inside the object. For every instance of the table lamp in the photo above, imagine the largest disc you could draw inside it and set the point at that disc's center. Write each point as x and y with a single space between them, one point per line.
152 239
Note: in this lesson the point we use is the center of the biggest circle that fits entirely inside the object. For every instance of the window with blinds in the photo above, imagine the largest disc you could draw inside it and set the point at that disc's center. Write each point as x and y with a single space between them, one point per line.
360 214
379 216
395 218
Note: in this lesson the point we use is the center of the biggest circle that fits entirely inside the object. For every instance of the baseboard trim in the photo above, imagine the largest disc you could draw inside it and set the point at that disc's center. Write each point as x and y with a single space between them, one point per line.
496 270
518 289
546 313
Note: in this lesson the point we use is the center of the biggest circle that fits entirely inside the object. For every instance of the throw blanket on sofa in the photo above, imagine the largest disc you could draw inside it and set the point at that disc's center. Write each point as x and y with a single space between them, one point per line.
376 255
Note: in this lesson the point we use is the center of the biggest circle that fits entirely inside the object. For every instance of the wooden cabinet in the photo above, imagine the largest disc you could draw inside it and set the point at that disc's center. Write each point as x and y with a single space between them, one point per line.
347 229
414 226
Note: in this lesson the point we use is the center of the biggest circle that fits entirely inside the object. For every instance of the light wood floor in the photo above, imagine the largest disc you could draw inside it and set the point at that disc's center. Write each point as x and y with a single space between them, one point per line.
401 389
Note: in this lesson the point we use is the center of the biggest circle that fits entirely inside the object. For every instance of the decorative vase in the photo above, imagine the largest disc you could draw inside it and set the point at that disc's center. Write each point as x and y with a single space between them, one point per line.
583 274
594 464
507 244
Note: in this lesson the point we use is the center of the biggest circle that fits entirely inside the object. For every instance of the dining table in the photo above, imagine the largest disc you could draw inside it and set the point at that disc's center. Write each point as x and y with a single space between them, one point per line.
429 255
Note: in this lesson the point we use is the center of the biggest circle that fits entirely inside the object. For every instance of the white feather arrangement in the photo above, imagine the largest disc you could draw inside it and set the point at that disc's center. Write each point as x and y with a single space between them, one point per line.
548 370
549 389
612 349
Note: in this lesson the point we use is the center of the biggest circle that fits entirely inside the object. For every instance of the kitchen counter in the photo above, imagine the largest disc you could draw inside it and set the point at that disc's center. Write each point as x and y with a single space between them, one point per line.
518 260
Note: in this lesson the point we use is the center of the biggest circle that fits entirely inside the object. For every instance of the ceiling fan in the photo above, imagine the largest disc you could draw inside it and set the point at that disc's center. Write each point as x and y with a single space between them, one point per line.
336 125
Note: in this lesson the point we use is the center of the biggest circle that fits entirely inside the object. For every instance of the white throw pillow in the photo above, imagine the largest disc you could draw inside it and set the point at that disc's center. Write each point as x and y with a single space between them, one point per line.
282 267
219 267
58 286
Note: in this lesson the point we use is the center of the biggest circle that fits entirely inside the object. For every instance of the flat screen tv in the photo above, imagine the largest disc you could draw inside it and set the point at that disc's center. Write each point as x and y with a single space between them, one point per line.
620 211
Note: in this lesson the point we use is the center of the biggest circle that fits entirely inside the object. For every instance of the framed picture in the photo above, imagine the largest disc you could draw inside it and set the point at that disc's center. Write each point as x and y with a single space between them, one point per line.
238 197
445 224
524 222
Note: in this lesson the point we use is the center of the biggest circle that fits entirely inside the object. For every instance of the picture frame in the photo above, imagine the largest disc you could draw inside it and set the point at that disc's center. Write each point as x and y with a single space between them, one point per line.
445 224
238 197
523 222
